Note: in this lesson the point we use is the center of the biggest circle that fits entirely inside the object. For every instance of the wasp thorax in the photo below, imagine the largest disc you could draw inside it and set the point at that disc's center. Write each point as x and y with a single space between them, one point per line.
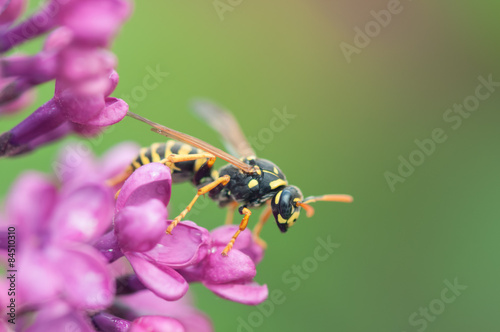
284 207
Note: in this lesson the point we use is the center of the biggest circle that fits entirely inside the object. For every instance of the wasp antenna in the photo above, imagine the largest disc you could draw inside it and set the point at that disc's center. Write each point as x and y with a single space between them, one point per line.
328 198
309 209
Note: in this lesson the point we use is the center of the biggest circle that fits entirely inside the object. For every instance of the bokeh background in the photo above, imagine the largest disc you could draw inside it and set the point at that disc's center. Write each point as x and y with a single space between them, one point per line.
352 122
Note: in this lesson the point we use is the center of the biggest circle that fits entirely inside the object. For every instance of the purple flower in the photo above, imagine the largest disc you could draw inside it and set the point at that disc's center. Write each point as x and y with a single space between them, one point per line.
92 21
166 263
75 237
19 103
10 11
230 277
75 55
143 309
56 316
52 235
146 303
139 233
77 163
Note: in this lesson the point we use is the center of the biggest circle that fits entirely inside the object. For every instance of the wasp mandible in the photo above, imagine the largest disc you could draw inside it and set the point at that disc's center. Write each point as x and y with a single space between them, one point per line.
247 182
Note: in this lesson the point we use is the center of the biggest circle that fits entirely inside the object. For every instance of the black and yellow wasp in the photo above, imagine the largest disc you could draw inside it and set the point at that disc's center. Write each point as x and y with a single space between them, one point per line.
247 182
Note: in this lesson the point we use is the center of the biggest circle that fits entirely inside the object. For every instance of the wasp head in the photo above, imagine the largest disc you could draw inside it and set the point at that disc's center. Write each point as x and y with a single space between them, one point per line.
285 207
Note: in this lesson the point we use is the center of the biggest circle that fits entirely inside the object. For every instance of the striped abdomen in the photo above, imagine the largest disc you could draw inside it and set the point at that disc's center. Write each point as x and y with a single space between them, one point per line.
181 171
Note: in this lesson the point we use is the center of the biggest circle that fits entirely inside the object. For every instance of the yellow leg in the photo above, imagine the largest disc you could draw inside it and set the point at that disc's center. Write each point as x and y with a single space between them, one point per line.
258 228
243 225
120 177
230 213
176 158
202 191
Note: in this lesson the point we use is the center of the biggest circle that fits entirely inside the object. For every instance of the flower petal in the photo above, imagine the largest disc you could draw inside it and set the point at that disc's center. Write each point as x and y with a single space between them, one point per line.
10 11
80 108
107 322
117 159
58 39
249 293
156 324
146 303
80 64
38 270
30 203
75 162
161 280
95 21
187 245
233 268
84 212
108 246
151 181
114 111
223 234
20 103
88 283
245 243
67 321
140 227
113 82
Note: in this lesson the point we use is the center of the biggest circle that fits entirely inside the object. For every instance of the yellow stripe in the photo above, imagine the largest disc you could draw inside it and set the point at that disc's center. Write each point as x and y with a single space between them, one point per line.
144 159
252 183
277 183
185 149
168 148
277 197
275 170
136 164
293 218
198 163
269 172
154 154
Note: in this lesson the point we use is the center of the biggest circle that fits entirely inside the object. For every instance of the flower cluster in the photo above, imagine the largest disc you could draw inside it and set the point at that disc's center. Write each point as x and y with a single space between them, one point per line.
90 261
99 264
75 54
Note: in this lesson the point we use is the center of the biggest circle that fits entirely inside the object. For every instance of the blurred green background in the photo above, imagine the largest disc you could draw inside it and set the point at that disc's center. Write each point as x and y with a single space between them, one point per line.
352 122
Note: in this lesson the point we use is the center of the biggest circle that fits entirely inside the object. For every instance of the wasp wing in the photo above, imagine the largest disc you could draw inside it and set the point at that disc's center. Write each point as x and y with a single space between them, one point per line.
226 125
193 141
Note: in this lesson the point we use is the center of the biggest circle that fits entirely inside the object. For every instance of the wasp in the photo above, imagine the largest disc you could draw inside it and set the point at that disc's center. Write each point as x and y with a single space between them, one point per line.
246 181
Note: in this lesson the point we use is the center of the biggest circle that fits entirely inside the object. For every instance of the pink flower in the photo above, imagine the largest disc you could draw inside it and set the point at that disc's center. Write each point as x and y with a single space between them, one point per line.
144 311
139 233
230 277
10 11
56 316
74 233
53 234
166 263
75 55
